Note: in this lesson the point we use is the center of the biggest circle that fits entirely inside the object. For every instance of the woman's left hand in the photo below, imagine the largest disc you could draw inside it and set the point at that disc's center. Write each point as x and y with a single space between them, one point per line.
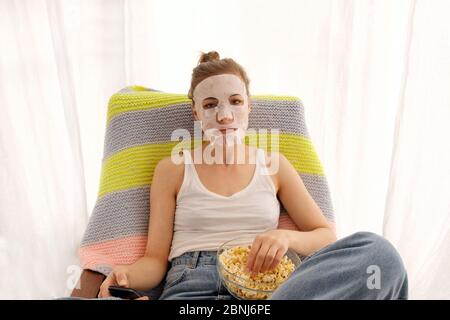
267 250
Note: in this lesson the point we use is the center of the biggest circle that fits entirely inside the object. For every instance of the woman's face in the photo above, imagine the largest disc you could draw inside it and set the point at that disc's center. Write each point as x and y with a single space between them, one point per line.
220 103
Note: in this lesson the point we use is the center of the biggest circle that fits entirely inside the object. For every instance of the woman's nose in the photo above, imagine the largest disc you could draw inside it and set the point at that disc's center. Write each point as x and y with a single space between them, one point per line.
225 120
224 117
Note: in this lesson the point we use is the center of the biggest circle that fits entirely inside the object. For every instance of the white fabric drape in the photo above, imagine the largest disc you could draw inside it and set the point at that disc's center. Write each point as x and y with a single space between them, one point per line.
373 76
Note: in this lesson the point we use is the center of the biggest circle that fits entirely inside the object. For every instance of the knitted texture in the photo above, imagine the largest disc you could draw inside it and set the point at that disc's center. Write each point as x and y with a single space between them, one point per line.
140 122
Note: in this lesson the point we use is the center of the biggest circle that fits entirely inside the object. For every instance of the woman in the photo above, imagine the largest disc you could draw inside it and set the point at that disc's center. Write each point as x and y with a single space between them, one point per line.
211 197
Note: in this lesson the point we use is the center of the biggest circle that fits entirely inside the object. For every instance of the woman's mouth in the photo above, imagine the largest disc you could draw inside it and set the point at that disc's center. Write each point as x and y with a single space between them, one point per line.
224 131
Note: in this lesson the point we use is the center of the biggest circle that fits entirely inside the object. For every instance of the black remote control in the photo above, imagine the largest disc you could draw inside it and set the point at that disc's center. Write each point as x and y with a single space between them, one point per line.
124 293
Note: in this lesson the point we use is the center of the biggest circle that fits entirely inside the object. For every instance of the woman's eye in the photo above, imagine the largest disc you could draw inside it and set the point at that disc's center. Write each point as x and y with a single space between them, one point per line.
238 101
209 105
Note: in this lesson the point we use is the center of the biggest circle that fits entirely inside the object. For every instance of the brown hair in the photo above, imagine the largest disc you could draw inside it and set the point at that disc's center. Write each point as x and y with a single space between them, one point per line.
210 64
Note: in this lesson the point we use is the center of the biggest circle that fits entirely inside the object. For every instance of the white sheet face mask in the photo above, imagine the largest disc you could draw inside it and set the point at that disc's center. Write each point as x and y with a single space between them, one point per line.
221 102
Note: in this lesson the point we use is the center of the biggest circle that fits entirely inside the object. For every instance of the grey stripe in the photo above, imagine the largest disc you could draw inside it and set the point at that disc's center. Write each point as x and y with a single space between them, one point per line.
125 213
119 214
104 269
317 187
135 128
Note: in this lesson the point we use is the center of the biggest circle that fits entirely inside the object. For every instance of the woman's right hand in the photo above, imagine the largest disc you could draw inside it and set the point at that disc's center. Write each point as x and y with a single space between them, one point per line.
119 276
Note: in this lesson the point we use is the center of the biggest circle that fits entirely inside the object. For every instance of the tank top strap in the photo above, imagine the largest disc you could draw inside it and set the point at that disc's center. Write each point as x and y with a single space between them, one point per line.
188 178
188 163
260 160
263 171
191 181
187 156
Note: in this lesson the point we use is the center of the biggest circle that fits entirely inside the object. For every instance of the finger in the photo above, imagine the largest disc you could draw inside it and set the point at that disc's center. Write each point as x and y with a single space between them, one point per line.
261 256
122 280
143 298
271 253
277 259
104 292
252 254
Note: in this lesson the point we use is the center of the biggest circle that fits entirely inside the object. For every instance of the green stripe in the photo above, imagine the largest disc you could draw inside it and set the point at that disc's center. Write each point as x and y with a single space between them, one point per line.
298 150
133 167
274 98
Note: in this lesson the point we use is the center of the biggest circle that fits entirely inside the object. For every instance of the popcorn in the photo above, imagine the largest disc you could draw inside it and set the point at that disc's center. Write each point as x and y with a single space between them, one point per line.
234 261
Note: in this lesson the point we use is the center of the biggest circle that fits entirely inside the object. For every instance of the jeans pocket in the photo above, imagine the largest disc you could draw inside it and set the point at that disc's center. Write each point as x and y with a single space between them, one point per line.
175 275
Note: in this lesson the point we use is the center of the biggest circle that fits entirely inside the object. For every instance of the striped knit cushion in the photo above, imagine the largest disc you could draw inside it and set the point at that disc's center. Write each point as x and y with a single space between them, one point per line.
140 122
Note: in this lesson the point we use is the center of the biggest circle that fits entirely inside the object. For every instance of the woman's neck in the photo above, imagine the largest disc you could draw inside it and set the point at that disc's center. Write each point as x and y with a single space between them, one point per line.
225 155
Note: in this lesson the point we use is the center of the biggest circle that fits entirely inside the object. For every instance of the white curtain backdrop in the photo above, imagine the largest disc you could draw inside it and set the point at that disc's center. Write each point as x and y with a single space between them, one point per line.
373 76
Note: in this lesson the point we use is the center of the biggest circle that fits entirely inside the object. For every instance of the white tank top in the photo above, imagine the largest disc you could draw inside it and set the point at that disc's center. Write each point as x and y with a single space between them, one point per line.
204 220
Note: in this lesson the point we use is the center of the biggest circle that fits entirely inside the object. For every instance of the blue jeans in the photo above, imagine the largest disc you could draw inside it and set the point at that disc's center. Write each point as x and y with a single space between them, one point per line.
361 266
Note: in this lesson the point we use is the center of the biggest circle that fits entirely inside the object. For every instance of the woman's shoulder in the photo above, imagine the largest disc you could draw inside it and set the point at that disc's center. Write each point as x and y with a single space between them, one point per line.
171 162
273 162
270 157
172 168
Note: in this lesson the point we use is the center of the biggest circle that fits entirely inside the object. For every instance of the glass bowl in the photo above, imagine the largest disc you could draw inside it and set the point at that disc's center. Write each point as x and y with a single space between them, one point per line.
239 283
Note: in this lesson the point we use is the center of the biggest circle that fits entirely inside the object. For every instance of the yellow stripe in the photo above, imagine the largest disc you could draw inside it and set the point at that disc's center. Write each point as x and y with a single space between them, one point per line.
144 100
274 98
138 88
298 150
254 97
134 166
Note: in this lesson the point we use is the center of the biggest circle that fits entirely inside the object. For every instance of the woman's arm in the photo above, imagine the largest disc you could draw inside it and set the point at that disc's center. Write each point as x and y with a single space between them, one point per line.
315 232
269 248
163 195
148 271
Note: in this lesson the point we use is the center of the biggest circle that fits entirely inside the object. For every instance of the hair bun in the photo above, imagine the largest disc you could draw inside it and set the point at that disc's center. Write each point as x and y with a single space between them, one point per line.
210 56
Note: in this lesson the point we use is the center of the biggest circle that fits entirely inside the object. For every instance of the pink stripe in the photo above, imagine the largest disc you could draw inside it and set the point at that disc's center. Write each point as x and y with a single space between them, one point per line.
118 251
285 222
128 250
